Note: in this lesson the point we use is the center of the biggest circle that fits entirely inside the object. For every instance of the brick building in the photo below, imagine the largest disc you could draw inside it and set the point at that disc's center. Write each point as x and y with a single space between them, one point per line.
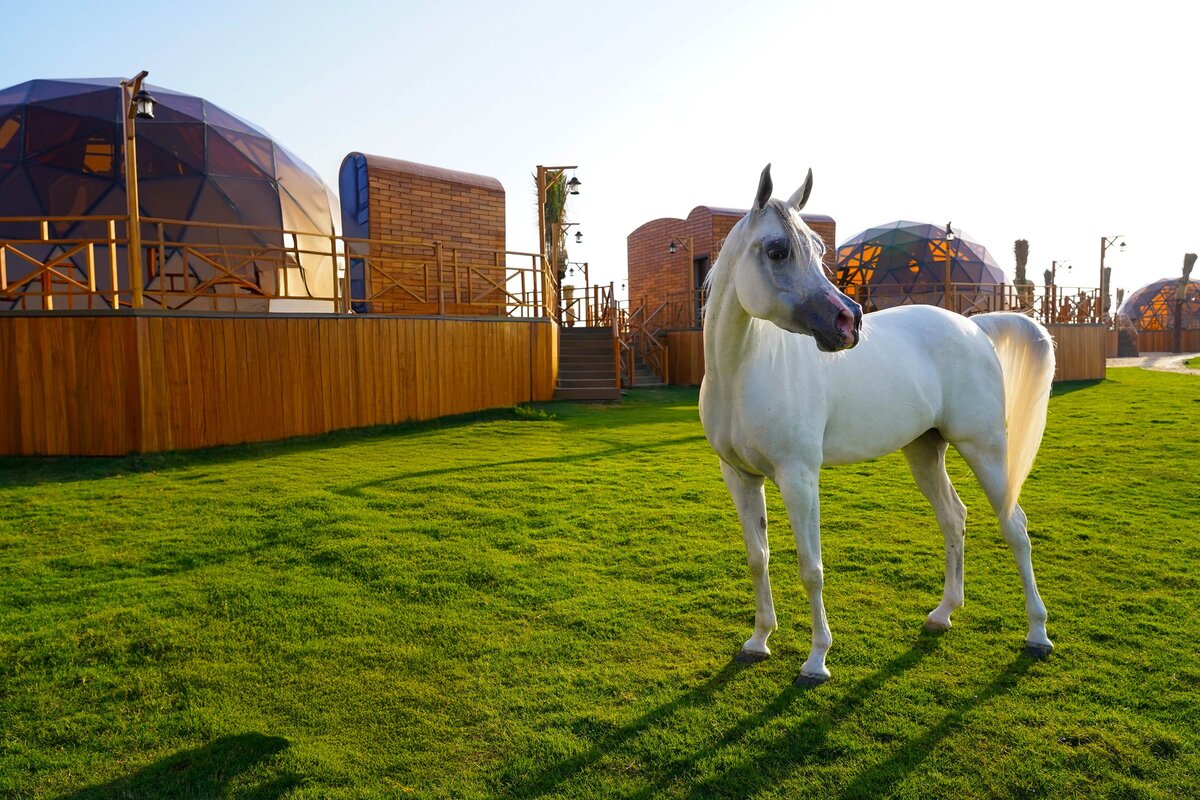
443 232
657 277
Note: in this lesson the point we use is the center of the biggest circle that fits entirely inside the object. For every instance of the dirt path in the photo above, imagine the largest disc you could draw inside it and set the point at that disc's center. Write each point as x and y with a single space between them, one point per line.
1165 362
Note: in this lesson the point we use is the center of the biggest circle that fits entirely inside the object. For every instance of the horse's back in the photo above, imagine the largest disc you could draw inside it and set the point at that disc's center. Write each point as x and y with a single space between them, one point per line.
916 368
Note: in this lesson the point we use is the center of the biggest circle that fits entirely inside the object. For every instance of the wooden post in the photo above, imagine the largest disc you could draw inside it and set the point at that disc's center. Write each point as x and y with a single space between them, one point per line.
112 264
133 224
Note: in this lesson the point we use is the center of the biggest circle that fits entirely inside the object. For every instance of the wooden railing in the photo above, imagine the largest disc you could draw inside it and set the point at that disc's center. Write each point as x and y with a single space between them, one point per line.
587 305
62 263
639 331
1050 304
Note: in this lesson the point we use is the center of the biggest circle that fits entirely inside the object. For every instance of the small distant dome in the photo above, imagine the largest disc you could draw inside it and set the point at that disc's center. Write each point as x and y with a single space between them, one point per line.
1152 307
61 149
904 262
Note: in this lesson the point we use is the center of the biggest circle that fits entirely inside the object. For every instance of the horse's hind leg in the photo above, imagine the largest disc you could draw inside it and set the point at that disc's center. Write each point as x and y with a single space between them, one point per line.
987 460
927 460
747 493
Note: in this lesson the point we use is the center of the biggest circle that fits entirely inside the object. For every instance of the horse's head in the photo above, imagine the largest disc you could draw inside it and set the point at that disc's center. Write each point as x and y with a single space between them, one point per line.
779 277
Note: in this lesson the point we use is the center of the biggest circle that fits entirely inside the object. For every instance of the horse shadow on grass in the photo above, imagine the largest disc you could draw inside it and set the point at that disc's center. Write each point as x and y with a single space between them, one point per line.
806 742
802 743
202 772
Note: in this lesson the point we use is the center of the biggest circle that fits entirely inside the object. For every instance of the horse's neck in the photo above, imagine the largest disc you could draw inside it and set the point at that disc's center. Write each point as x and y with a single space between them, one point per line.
730 334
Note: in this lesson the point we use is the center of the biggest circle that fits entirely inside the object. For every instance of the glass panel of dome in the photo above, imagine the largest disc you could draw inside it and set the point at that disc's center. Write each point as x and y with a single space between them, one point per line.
230 122
255 200
169 198
93 155
225 159
10 133
102 104
155 162
17 197
46 129
256 148
14 94
42 90
173 107
183 141
66 193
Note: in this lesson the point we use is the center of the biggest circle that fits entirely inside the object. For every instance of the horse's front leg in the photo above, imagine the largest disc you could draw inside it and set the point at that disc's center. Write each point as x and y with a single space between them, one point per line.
799 488
747 493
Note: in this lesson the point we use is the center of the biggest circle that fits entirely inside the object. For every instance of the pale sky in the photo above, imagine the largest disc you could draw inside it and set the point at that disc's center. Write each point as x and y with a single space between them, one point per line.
1057 122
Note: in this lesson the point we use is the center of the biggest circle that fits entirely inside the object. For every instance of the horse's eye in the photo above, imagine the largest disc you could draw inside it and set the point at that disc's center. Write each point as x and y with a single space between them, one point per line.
777 252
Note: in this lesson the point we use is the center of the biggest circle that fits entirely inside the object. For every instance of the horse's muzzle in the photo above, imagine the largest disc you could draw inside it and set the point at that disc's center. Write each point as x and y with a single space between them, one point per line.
833 319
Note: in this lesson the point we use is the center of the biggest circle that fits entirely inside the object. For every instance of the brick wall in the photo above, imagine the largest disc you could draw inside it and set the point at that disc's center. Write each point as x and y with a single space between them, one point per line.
419 204
657 277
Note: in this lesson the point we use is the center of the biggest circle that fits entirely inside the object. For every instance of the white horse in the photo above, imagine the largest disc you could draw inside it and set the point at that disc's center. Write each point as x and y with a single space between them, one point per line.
779 401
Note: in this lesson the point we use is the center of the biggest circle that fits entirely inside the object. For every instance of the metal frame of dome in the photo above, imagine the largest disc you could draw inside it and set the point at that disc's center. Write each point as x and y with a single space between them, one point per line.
905 262
61 151
1152 307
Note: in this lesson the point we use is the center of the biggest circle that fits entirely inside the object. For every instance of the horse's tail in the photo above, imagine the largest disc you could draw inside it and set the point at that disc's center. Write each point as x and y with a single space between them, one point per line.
1026 354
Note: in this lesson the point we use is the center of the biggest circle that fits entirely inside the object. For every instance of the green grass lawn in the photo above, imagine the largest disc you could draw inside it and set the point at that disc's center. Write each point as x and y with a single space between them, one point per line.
545 603
1192 363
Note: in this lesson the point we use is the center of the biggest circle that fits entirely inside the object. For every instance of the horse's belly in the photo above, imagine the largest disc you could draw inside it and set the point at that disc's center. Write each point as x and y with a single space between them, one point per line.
844 445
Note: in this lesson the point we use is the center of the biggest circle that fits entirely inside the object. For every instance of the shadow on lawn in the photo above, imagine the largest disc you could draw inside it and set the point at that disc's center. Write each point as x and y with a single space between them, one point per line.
802 743
1066 387
202 772
356 489
805 743
36 470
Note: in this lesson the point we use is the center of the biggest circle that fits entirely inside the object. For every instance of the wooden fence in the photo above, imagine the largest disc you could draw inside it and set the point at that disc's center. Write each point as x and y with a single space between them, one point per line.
1079 353
111 383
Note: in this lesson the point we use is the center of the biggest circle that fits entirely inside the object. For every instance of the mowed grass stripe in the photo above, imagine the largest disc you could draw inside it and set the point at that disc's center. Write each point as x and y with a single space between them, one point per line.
544 603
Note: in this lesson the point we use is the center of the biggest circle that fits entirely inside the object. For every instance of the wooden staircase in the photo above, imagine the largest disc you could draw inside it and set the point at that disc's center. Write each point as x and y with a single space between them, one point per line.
1126 343
586 365
644 375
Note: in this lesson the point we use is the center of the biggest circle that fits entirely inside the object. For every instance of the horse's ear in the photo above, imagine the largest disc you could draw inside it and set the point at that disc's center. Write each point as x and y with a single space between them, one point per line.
800 197
764 189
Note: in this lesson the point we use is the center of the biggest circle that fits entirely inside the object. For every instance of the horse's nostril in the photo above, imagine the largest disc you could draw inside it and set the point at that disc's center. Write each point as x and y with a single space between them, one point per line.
845 324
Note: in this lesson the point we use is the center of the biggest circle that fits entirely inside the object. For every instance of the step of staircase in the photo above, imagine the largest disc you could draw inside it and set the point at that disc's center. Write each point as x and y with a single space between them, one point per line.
1126 345
585 365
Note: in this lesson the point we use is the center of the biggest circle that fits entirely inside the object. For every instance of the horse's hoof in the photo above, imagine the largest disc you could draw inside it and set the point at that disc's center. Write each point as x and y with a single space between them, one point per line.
1038 650
805 679
936 625
745 656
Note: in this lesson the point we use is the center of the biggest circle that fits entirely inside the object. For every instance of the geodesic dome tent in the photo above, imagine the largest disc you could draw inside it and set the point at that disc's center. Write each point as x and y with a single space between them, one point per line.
1152 307
61 151
904 262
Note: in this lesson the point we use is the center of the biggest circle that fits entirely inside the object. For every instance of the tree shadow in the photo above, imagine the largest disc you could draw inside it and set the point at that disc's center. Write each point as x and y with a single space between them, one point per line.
201 772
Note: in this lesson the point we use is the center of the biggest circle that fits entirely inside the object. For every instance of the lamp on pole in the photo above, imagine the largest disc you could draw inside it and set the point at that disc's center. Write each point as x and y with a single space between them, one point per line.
545 177
136 103
1105 243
